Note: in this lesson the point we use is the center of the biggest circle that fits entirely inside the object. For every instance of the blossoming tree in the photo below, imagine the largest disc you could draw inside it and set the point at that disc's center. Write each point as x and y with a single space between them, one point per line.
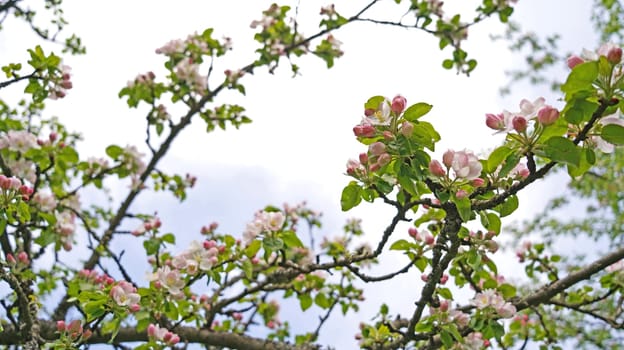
247 274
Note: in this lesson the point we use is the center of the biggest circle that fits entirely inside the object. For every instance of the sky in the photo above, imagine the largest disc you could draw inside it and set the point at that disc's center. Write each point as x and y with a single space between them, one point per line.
297 147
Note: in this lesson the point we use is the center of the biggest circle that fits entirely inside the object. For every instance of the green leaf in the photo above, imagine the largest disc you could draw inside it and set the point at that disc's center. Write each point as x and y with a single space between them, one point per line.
248 269
351 196
507 290
374 102
491 221
415 111
114 151
151 246
497 157
253 248
322 301
446 338
291 240
272 243
464 208
508 207
169 238
305 301
23 212
445 293
401 244
581 77
561 149
613 133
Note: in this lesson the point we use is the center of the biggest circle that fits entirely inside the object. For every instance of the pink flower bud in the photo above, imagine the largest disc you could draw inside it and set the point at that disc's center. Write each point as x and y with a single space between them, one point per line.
167 337
23 258
377 148
447 158
519 123
135 308
11 259
210 244
444 305
412 231
5 183
75 327
369 111
495 121
237 316
384 159
255 260
407 129
388 135
444 278
364 130
436 168
491 246
429 239
547 115
461 194
87 334
373 167
174 339
424 277
60 326
478 182
574 61
363 158
271 324
614 55
15 183
399 102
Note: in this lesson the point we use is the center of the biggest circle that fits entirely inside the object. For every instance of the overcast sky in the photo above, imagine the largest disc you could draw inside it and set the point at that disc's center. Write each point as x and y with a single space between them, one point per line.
301 137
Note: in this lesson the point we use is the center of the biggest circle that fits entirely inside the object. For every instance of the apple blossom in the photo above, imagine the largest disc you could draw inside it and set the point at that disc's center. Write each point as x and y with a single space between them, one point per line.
495 121
125 294
465 165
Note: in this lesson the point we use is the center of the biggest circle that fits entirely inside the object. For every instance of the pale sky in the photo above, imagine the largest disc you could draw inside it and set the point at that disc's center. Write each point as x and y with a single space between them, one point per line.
301 137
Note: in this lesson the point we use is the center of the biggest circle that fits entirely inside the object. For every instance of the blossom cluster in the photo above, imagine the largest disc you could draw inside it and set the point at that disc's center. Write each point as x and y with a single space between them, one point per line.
490 299
60 85
263 221
125 294
465 165
157 333
519 121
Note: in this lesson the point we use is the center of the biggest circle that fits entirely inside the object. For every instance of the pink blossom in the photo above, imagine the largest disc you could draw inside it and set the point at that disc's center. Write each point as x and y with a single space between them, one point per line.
381 116
520 170
465 165
124 294
168 278
528 108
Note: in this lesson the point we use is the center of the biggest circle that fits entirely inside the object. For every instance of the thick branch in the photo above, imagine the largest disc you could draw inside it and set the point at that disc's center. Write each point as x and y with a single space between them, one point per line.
11 336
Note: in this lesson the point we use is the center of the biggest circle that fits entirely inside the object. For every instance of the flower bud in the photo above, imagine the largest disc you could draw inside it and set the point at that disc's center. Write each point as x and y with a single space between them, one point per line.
369 111
436 168
384 159
388 135
444 279
519 123
399 102
11 259
495 121
614 55
478 182
574 61
407 129
447 158
547 115
60 326
377 148
461 194
412 231
444 305
23 258
424 277
364 158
